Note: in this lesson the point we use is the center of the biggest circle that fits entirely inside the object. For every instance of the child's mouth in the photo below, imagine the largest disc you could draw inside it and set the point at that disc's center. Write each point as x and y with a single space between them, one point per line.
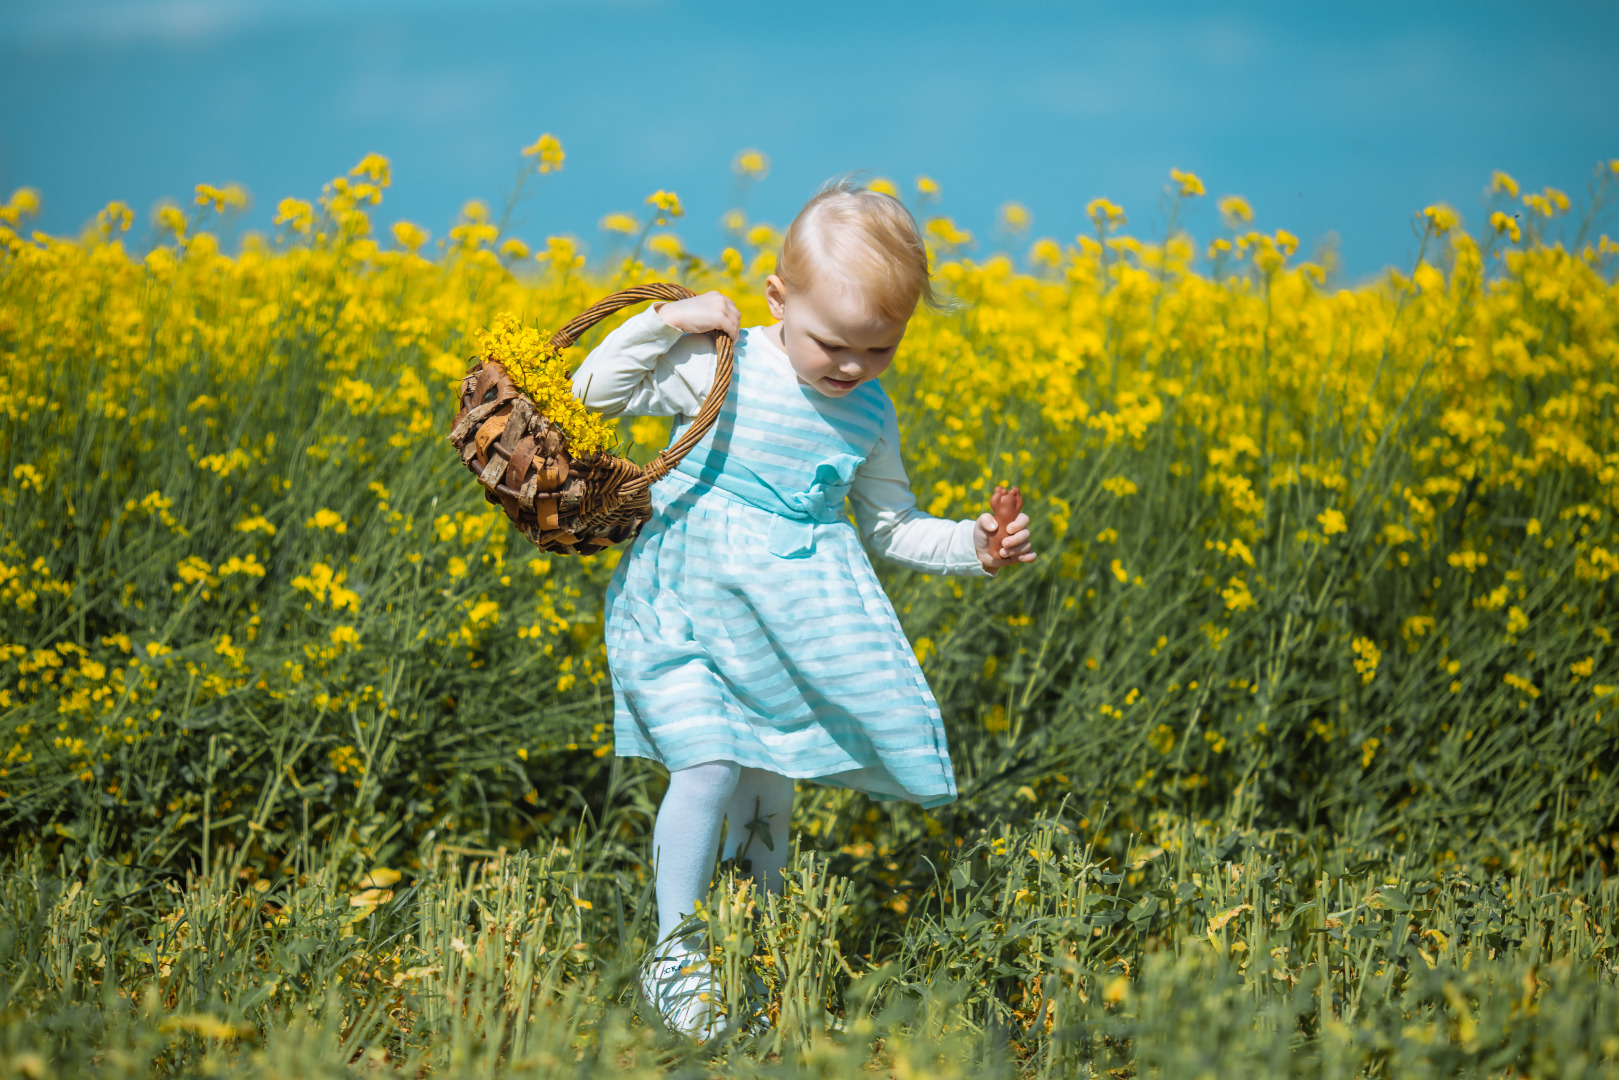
843 384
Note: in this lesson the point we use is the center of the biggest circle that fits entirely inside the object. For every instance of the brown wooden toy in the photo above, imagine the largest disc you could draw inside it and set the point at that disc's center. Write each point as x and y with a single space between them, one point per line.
1006 504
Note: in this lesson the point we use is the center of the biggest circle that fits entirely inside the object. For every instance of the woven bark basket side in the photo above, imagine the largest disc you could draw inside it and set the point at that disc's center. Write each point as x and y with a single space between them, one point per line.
562 503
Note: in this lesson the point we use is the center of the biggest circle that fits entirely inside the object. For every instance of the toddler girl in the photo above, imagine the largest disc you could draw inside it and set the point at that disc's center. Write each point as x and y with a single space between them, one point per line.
747 637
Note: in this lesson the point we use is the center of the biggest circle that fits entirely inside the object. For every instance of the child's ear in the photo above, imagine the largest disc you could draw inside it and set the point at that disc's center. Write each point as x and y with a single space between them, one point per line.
776 296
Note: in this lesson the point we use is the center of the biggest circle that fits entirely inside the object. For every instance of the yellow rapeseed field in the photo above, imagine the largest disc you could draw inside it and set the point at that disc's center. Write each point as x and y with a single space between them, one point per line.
1317 559
1456 417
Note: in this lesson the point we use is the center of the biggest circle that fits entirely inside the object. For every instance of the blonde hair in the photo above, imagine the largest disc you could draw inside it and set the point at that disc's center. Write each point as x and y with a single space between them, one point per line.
867 233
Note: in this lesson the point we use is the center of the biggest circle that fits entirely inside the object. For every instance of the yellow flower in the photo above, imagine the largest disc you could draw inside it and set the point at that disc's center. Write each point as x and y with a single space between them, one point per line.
1416 626
884 186
1501 182
561 253
620 223
1014 217
1368 749
1236 595
296 213
1367 657
944 231
927 187
1190 186
1332 521
1235 211
24 203
1045 252
666 244
1104 213
410 237
763 236
229 197
667 203
171 218
549 152
323 583
1441 218
1521 684
116 217
752 164
541 372
514 248
192 570
1506 223
375 168
1120 486
327 519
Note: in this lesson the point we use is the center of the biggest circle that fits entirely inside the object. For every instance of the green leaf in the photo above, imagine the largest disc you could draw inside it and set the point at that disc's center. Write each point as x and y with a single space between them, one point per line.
1394 900
761 831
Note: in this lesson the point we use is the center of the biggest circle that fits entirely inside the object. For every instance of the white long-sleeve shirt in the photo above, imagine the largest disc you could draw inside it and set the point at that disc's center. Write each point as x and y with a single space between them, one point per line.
648 368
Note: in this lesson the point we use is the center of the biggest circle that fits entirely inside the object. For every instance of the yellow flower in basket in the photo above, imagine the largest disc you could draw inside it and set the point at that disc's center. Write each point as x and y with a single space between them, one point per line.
540 454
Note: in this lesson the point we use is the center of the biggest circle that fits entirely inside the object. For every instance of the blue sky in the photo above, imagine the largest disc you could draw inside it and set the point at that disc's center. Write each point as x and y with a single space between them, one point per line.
1330 119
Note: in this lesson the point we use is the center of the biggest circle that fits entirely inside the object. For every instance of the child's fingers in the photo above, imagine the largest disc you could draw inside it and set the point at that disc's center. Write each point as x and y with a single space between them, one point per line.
1013 543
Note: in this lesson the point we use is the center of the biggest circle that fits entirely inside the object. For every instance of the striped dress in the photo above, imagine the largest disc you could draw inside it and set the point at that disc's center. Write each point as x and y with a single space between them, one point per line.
746 623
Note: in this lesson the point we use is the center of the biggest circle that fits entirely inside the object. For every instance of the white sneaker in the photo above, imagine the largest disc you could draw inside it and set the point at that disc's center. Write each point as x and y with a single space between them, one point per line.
679 984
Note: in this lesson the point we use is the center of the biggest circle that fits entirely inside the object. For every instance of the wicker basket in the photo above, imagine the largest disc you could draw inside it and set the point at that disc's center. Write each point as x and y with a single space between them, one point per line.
566 504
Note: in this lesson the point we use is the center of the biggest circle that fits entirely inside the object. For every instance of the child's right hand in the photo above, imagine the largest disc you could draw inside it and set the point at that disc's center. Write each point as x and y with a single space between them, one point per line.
700 314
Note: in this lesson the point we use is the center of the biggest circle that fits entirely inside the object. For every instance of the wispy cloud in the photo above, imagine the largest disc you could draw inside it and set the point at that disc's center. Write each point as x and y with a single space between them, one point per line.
81 22
71 23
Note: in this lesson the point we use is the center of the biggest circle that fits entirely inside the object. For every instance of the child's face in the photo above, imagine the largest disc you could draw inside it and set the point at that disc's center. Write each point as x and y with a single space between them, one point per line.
833 338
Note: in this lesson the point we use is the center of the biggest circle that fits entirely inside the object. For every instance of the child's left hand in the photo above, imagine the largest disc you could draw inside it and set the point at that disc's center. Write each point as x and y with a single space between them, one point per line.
1016 549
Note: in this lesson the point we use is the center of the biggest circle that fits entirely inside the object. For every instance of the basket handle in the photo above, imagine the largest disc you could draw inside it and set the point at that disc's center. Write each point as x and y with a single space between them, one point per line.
724 347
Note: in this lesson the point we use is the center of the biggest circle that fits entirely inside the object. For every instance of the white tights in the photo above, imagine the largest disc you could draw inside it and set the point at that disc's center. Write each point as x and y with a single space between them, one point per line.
686 835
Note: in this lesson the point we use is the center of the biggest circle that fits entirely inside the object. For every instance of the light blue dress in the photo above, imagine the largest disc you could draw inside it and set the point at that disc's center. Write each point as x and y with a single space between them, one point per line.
746 624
